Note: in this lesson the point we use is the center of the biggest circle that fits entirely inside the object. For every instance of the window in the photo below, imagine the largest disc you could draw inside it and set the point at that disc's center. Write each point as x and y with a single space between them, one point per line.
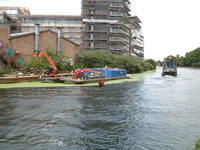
91 44
71 29
91 28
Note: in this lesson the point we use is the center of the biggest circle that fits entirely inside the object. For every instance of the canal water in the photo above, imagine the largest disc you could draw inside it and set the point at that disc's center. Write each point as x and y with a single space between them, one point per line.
155 113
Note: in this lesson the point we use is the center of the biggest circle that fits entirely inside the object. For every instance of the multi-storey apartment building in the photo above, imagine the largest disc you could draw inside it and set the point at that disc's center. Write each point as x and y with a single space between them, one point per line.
106 25
136 37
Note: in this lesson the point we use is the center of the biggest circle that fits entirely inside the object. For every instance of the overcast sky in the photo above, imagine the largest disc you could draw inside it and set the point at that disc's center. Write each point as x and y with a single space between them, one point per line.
169 27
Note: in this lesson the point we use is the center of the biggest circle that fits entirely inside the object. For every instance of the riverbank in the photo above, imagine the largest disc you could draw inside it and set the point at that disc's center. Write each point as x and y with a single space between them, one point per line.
133 78
197 145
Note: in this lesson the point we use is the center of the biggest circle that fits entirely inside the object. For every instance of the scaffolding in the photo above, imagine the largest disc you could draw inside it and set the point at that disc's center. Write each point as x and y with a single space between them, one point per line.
105 25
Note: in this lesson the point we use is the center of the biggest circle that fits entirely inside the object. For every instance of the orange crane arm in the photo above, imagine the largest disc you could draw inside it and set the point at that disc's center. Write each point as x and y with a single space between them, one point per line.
79 72
87 70
40 54
50 61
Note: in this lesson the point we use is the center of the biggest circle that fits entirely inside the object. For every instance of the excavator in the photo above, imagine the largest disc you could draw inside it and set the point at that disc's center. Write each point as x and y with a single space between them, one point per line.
52 72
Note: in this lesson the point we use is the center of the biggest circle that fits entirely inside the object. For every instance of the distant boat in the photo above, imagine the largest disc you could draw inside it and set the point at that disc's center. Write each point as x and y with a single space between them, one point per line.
169 69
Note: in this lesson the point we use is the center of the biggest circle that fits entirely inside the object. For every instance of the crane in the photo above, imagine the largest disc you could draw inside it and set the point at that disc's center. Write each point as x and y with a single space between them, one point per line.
80 73
53 69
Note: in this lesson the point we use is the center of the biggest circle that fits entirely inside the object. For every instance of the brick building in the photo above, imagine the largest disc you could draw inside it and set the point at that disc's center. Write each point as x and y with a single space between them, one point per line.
4 32
22 45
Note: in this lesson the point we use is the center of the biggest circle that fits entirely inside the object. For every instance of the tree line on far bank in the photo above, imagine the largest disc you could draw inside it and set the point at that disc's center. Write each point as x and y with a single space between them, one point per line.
94 59
191 59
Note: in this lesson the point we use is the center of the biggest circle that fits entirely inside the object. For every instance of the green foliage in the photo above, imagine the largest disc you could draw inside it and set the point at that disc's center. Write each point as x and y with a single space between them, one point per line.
152 62
40 63
172 59
99 58
147 66
7 69
197 145
132 63
102 58
191 59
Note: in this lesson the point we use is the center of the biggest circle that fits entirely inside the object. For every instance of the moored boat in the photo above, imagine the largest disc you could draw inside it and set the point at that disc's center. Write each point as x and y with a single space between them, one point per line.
17 79
90 75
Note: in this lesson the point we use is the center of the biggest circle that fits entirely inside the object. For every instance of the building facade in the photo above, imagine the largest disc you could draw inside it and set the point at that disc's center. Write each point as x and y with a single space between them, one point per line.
71 25
18 48
11 15
136 37
105 25
24 44
22 21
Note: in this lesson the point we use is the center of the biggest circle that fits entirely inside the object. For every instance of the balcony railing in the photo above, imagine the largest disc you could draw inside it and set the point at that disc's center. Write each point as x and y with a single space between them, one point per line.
116 5
119 31
119 39
116 14
116 48
127 5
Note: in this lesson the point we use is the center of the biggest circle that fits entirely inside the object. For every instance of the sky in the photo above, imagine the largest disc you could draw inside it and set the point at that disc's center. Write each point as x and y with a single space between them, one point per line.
169 27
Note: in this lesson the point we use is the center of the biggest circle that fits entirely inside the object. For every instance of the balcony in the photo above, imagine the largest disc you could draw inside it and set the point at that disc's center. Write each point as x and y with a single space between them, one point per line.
119 31
137 43
117 39
116 14
119 48
116 5
127 6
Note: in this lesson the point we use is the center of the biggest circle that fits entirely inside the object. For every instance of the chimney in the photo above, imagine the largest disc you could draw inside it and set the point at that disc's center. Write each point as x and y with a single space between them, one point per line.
37 37
59 40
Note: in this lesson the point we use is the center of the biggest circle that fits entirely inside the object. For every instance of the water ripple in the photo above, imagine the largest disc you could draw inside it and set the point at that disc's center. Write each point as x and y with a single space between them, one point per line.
151 114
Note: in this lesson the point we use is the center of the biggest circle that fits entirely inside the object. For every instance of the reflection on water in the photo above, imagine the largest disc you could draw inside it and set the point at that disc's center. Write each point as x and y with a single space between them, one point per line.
153 114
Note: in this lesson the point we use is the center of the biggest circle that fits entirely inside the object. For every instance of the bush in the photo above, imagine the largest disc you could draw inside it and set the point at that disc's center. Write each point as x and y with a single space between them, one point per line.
147 66
61 62
102 58
152 62
98 58
197 145
196 64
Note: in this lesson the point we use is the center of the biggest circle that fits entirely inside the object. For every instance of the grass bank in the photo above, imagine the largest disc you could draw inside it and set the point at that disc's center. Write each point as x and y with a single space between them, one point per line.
197 145
133 77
